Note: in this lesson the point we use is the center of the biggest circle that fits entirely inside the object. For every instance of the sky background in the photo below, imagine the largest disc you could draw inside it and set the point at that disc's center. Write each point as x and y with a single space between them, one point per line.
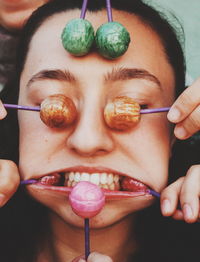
188 12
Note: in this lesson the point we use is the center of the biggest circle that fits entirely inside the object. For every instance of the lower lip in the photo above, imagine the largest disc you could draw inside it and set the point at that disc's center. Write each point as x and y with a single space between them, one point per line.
109 194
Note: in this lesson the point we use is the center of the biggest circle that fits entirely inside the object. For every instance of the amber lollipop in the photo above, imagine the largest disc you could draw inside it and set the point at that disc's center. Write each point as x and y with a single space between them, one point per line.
59 111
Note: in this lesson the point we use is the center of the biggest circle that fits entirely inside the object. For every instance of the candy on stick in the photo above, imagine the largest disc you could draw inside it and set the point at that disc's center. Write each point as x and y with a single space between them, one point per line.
86 200
112 38
122 113
58 111
78 35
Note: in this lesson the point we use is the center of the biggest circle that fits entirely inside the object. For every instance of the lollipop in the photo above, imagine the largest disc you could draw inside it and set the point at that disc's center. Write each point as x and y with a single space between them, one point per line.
58 111
78 35
86 200
112 38
122 113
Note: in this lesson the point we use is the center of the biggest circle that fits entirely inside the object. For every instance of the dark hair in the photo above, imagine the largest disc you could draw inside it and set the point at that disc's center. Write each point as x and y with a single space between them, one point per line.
26 218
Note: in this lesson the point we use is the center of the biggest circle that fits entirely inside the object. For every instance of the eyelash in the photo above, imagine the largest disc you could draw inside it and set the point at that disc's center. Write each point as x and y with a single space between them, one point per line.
144 106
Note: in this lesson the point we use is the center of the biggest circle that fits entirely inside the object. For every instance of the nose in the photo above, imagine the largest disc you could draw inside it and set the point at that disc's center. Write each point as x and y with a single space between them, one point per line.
91 137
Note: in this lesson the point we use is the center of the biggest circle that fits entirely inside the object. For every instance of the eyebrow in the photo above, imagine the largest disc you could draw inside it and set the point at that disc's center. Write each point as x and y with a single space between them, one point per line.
55 74
118 74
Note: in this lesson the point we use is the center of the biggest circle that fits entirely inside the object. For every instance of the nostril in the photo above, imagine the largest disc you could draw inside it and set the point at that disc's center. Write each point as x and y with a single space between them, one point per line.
88 141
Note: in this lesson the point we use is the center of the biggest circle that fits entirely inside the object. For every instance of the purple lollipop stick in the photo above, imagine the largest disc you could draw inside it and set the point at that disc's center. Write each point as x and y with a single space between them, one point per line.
29 108
87 238
37 108
28 182
109 11
153 193
154 110
83 10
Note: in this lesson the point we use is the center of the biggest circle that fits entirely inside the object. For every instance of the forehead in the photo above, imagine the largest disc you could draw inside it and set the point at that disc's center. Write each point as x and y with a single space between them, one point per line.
145 50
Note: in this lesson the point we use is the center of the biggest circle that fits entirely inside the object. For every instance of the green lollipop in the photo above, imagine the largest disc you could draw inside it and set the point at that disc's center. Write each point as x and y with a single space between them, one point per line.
78 37
112 40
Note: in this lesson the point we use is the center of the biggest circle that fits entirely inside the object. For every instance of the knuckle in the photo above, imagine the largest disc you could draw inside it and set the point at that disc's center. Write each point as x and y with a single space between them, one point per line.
195 118
185 98
194 169
172 189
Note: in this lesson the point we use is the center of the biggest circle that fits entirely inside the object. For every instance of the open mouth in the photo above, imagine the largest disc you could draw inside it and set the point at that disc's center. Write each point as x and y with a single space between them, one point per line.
113 184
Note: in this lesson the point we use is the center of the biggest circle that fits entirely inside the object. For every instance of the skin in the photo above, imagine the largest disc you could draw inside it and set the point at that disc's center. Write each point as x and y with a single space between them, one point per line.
83 143
89 142
14 13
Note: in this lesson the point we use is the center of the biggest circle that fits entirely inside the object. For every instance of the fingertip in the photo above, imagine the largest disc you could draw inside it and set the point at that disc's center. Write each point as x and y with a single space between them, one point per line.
3 111
174 114
189 214
166 207
178 215
180 132
3 200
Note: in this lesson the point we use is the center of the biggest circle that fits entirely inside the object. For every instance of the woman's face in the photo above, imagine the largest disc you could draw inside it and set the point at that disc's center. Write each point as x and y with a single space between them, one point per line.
89 147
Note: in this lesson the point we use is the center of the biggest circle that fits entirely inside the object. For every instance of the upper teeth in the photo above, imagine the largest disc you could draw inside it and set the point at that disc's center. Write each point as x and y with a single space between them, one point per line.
106 180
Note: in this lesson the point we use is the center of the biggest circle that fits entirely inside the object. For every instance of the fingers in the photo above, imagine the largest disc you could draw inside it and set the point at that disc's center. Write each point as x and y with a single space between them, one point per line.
189 195
3 112
170 196
97 257
187 191
186 111
185 103
79 259
9 180
189 126
94 257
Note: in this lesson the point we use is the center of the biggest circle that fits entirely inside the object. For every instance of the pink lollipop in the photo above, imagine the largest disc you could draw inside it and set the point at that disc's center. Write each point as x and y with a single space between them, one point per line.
86 199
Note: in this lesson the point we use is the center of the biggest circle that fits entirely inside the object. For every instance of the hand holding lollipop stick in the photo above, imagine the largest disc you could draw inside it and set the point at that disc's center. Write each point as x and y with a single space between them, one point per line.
86 200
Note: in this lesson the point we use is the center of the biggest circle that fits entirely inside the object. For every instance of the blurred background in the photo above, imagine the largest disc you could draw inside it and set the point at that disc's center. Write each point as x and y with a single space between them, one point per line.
188 12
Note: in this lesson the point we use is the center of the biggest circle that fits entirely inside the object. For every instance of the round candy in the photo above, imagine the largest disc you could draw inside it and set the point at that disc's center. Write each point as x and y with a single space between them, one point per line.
58 111
112 40
78 37
86 199
122 113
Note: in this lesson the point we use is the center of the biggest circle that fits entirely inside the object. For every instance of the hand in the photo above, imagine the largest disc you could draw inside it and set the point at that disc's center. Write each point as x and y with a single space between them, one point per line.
9 176
185 112
94 257
13 13
3 112
187 190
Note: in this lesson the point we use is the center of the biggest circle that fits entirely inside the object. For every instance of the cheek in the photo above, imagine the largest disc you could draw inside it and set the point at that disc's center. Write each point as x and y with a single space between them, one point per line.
149 146
37 144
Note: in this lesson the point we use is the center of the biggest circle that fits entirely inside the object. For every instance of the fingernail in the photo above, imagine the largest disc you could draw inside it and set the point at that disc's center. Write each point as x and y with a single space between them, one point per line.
187 211
180 132
2 199
174 114
166 207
